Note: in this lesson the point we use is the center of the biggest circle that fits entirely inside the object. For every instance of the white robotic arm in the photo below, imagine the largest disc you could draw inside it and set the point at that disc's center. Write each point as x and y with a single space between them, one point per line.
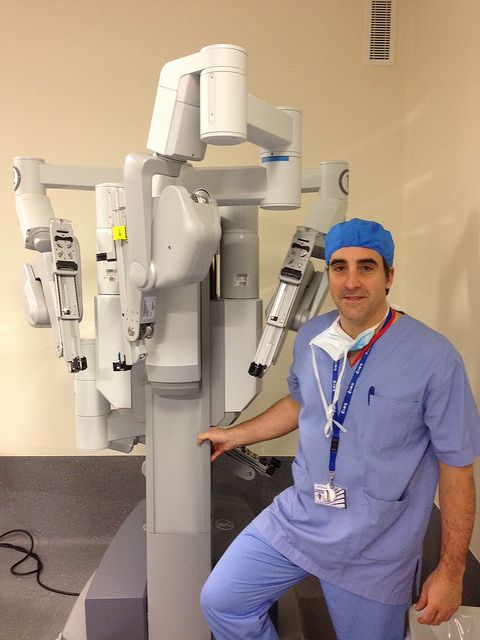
51 287
301 290
173 232
202 99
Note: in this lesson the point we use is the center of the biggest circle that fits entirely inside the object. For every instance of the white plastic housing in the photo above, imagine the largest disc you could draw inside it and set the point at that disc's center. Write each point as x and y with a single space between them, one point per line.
33 299
284 169
223 107
107 272
114 385
239 266
91 408
216 110
185 237
34 212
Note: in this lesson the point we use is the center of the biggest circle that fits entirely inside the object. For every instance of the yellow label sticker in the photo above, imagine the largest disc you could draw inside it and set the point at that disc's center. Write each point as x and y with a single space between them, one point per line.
120 233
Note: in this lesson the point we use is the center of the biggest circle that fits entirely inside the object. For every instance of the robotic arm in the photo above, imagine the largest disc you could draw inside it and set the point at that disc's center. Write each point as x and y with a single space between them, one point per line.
51 287
301 290
201 99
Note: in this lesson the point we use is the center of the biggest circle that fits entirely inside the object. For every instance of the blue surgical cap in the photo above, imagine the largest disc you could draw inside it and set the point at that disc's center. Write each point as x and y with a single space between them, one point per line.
360 233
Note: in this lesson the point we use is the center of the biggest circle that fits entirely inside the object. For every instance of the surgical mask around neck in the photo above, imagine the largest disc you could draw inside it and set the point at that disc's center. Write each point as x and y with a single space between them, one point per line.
337 343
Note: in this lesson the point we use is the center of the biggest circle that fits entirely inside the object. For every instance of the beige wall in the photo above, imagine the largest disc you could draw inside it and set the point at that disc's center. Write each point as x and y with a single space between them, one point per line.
439 256
78 82
440 239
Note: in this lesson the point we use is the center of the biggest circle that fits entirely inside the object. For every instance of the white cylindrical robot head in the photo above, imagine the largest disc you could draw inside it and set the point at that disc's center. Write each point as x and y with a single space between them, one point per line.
223 96
284 169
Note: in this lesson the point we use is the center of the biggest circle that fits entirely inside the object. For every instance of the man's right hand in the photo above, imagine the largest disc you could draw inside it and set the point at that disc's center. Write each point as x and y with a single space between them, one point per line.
221 439
278 420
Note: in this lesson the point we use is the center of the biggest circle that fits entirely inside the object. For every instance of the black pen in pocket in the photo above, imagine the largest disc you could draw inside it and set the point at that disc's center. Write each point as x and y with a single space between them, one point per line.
371 392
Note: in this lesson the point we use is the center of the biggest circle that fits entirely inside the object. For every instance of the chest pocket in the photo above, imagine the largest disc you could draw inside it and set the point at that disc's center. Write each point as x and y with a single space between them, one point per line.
389 423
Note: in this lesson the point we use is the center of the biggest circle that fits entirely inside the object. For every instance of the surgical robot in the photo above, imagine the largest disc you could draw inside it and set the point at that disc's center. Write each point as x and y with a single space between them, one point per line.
179 344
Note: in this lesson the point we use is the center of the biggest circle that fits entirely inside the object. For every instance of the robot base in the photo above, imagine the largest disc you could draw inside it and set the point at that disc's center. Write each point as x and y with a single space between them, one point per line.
113 603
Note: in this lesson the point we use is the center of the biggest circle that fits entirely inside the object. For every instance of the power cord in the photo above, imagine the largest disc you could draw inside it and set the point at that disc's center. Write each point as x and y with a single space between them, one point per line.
29 553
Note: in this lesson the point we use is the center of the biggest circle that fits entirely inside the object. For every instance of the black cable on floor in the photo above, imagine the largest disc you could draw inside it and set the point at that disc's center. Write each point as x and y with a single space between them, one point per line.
29 553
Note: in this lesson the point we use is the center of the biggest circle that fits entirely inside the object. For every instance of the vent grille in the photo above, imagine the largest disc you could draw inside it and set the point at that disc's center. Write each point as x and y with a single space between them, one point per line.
380 31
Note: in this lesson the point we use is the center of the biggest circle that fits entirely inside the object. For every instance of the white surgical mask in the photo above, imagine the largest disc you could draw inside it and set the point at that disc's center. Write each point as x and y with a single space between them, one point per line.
337 344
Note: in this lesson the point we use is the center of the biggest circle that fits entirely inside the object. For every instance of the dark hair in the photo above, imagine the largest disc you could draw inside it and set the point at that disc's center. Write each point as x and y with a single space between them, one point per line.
387 268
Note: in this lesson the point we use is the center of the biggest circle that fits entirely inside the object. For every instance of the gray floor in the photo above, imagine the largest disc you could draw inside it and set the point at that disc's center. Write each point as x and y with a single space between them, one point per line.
74 506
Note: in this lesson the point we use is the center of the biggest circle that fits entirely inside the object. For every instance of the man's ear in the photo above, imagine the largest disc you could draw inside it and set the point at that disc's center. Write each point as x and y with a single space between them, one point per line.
391 273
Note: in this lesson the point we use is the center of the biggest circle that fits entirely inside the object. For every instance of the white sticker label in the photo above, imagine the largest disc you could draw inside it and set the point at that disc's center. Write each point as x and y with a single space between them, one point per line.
240 280
148 309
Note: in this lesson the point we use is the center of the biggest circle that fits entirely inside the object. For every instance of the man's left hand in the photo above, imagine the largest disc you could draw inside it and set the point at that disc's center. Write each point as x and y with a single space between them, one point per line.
440 597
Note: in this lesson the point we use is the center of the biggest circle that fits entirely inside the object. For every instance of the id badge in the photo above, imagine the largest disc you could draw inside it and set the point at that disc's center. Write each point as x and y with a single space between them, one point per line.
330 495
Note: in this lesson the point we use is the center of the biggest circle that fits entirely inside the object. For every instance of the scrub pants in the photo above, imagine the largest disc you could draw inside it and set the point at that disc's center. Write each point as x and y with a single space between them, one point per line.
251 575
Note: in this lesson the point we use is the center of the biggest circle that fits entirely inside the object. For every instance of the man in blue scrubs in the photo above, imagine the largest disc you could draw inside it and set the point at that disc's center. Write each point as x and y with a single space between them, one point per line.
385 413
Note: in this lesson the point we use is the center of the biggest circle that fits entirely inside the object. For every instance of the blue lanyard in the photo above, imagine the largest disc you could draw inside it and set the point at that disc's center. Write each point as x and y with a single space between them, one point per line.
339 416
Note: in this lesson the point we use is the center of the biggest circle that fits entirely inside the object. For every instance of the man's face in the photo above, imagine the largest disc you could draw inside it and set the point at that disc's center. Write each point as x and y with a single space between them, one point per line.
358 286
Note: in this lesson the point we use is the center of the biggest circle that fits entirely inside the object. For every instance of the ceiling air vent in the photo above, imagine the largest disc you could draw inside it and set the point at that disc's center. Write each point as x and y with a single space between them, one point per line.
380 31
